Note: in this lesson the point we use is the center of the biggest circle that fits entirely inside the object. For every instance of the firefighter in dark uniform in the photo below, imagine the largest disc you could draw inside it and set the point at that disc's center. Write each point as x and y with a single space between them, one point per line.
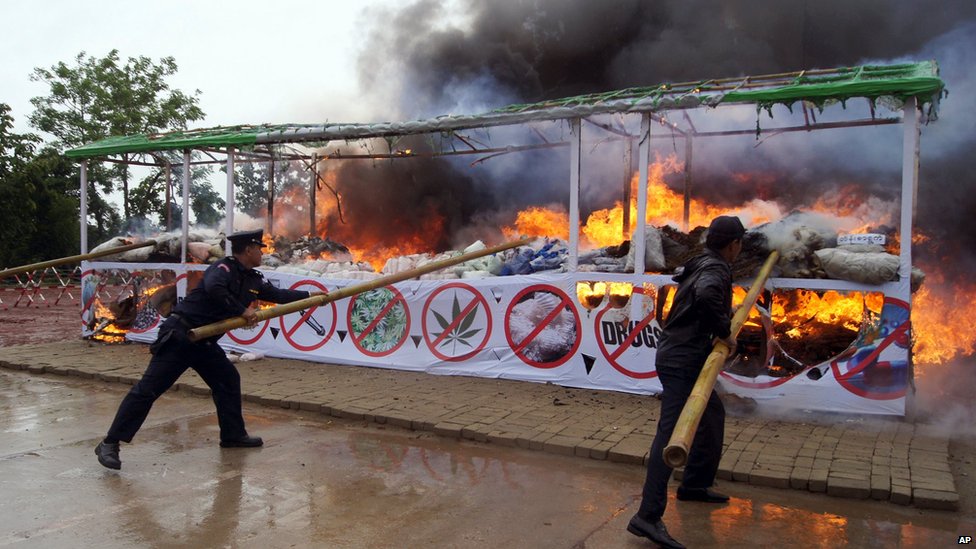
230 288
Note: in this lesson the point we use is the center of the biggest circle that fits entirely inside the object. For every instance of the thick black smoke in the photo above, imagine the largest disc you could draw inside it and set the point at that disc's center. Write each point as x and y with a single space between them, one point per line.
500 52
543 49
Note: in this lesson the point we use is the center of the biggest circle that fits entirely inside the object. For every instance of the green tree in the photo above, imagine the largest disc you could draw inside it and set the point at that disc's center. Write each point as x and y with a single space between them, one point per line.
38 199
98 98
16 199
251 188
251 183
55 182
205 203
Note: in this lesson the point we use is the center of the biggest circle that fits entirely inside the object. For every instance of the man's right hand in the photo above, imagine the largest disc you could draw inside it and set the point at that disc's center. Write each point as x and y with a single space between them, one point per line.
251 315
729 342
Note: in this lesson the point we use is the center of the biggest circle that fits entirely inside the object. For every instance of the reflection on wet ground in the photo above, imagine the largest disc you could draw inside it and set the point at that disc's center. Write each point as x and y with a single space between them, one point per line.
323 483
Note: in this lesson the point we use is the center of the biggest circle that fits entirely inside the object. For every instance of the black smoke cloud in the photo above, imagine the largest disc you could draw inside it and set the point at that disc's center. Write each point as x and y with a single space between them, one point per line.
422 62
544 49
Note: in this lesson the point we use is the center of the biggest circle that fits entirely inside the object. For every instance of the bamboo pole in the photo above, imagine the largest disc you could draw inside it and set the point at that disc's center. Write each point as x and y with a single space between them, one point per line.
676 452
218 328
73 259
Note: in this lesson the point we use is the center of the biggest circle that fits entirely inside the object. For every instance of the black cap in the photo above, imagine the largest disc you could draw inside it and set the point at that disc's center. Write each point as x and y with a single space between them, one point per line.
248 237
726 227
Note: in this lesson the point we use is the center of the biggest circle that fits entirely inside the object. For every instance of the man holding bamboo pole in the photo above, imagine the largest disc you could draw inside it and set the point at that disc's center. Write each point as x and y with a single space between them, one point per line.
230 288
699 317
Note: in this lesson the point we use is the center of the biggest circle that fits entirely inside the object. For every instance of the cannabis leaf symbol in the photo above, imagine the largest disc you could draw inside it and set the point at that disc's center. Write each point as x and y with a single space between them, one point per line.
461 331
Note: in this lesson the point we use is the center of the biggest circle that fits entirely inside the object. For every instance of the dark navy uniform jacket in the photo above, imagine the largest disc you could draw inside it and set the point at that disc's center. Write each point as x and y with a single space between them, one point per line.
226 291
701 311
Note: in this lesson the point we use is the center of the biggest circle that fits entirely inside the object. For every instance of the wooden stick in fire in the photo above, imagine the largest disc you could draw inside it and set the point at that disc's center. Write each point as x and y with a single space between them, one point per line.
676 452
73 259
223 326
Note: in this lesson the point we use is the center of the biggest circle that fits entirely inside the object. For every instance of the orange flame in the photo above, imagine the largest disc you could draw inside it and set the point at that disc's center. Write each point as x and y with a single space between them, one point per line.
605 227
268 244
106 330
539 221
940 311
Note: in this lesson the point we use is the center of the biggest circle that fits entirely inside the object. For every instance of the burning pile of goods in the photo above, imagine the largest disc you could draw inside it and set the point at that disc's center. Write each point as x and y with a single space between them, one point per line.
542 254
808 247
203 246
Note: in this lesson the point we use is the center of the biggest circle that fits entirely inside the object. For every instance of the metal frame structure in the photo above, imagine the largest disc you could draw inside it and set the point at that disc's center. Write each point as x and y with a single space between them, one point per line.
915 86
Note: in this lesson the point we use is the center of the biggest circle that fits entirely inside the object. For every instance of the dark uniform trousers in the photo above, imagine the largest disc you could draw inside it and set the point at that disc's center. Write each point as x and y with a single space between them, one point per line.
706 449
173 353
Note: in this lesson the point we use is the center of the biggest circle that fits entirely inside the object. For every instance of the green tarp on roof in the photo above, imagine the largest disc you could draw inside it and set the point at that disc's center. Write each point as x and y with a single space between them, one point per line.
918 80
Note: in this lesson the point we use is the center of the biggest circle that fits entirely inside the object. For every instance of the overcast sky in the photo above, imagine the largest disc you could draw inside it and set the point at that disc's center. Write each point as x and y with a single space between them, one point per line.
254 62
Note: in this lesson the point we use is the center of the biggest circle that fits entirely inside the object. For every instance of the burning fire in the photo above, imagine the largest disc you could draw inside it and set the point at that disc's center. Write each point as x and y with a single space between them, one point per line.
940 315
410 243
268 244
105 329
605 227
936 334
805 309
539 221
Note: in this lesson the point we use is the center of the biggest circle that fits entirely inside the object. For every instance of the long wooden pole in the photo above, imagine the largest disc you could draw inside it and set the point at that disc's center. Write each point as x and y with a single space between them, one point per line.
218 328
676 452
73 259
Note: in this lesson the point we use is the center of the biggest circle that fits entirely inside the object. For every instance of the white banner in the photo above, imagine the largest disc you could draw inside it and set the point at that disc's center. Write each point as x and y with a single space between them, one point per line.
533 328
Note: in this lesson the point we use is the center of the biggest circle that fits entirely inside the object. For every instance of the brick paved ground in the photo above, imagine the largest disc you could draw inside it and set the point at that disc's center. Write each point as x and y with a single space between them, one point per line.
878 458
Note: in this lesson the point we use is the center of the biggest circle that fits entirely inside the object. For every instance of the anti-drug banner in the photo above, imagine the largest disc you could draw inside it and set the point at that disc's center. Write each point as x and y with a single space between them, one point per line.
533 328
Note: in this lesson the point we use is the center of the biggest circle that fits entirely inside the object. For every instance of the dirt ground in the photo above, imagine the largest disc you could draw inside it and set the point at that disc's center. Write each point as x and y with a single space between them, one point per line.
40 322
944 393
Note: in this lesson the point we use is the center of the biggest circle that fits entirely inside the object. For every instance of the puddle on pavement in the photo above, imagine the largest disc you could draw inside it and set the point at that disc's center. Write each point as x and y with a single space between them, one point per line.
331 483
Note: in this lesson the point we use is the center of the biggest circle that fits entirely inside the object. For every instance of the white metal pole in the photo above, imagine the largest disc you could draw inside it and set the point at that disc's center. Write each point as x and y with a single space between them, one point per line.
83 207
909 191
186 202
574 194
229 226
637 240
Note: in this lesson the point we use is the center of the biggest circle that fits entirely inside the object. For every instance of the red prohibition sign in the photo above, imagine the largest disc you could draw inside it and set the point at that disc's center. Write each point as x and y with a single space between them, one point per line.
357 339
289 333
866 362
472 306
564 302
634 334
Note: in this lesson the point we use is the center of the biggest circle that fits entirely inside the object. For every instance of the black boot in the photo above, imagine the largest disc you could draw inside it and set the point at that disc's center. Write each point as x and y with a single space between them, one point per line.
108 454
701 494
654 531
246 441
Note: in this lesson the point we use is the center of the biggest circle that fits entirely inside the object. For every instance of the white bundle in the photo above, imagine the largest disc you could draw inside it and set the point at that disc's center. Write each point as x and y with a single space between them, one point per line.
137 255
198 250
169 244
862 248
653 252
318 266
217 251
477 246
113 242
867 268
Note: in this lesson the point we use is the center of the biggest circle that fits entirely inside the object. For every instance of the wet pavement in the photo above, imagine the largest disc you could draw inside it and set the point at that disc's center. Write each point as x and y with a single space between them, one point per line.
884 459
329 482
